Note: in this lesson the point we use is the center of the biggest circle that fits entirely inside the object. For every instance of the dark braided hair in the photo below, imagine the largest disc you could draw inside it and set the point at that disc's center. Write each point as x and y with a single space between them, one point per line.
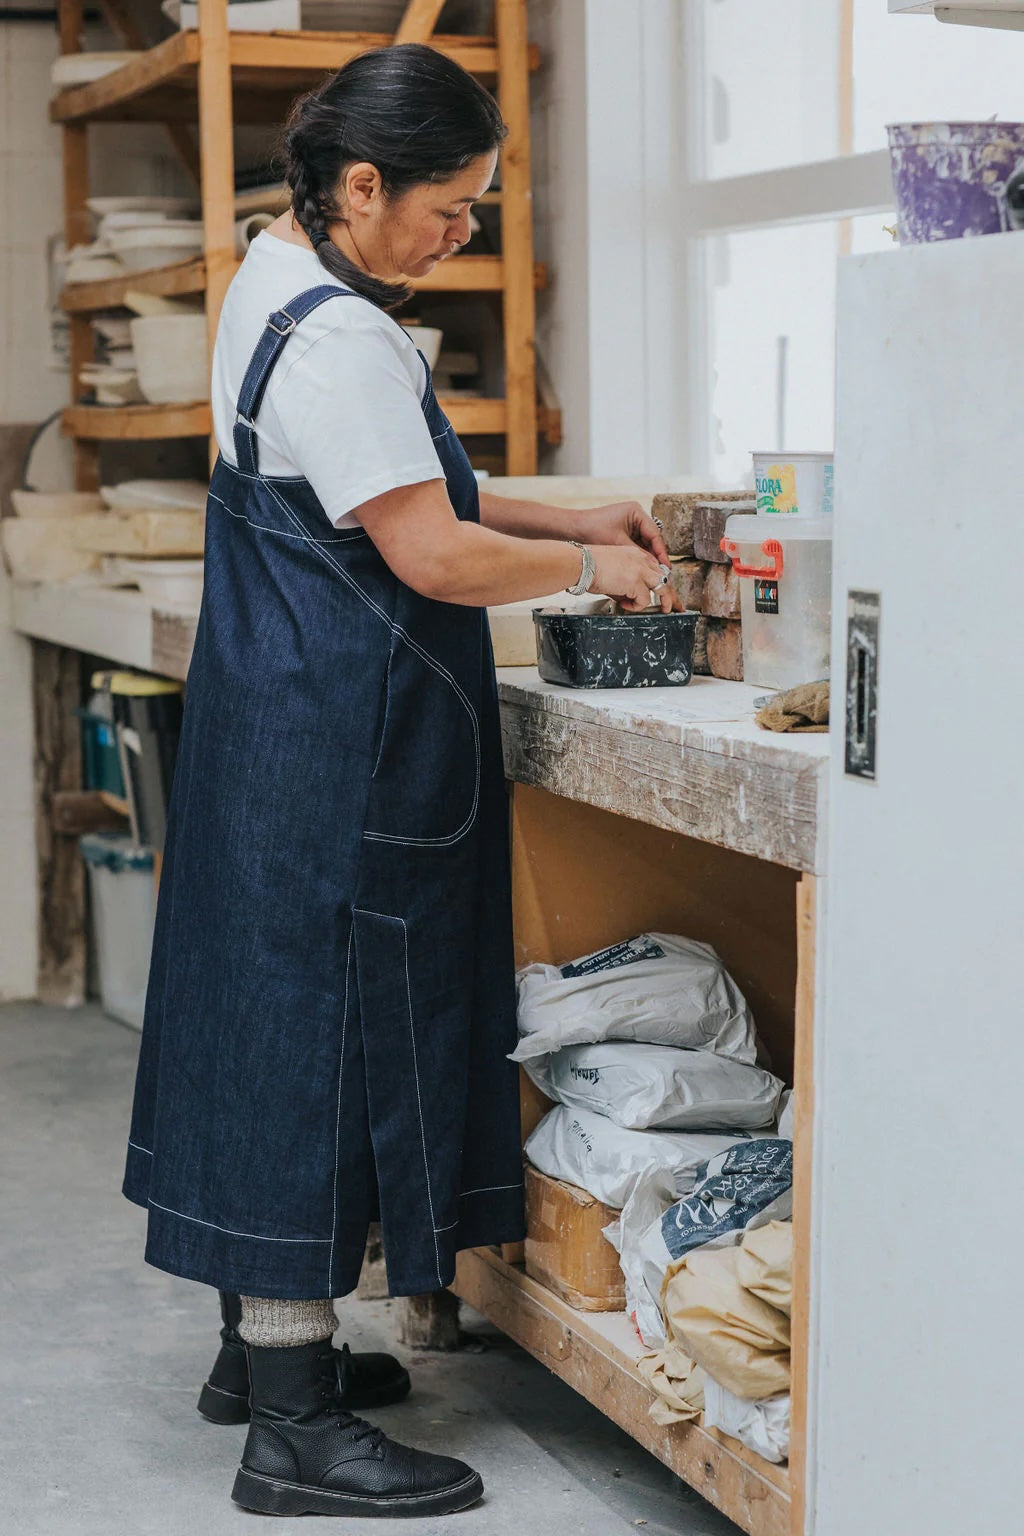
408 110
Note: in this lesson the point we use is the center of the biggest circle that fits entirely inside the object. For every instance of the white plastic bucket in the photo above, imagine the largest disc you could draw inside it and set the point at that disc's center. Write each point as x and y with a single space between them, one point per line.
123 913
794 484
170 356
785 570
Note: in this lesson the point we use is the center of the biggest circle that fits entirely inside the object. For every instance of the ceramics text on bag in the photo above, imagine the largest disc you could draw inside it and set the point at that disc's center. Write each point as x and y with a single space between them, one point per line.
746 1185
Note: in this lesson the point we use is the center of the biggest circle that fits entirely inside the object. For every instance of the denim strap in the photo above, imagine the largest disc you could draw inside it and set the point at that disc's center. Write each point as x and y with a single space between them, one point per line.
279 327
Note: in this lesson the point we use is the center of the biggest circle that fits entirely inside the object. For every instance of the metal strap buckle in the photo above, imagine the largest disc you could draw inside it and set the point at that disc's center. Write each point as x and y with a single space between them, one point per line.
276 328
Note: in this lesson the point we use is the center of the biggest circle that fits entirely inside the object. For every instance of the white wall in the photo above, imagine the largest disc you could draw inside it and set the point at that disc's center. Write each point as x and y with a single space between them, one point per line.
606 152
30 184
124 159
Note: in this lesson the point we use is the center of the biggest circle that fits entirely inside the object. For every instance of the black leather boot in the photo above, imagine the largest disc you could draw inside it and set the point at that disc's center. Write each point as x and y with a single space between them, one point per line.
305 1454
367 1381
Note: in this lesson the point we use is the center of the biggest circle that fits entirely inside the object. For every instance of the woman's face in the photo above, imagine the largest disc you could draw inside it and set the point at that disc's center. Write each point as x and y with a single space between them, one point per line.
409 235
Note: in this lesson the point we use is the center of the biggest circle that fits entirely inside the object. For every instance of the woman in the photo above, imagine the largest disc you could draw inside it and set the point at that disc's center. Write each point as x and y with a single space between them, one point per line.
331 998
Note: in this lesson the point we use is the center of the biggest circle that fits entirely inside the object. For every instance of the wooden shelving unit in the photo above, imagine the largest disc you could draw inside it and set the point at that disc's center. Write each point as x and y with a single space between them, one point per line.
215 78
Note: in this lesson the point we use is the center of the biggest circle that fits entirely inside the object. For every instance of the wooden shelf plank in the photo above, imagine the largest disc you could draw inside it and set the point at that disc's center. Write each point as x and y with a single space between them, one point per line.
594 1353
161 84
136 423
463 274
108 423
108 293
473 274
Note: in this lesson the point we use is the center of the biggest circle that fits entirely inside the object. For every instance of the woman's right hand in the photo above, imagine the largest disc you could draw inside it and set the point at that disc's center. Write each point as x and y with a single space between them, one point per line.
630 575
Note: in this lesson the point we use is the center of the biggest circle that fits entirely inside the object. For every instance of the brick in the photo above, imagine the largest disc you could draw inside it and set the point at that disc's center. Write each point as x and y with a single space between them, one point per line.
676 508
700 649
688 580
725 649
676 512
721 596
709 522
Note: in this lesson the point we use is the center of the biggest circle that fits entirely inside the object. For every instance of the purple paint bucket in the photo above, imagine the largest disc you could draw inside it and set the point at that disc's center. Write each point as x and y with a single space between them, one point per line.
950 178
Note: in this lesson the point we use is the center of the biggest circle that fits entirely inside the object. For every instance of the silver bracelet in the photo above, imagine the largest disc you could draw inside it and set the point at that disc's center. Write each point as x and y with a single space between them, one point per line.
587 572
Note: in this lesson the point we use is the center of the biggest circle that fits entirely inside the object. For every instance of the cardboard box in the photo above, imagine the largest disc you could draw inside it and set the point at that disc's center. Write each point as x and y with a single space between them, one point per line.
565 1249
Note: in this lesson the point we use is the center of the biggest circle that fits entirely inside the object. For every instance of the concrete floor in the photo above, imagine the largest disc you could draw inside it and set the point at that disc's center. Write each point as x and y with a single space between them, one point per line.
103 1356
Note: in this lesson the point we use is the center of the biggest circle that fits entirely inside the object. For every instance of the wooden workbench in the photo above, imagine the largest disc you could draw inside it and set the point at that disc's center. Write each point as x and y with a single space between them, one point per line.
666 809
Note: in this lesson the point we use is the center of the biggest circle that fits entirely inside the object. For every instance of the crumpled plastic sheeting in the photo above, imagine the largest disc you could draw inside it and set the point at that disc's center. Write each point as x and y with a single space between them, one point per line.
678 1382
762 1427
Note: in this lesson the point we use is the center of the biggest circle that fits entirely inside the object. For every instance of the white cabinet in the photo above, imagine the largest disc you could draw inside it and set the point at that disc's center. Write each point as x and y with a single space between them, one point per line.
920 1040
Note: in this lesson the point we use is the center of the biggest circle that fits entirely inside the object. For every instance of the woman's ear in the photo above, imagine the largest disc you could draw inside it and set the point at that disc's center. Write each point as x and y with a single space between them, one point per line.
362 187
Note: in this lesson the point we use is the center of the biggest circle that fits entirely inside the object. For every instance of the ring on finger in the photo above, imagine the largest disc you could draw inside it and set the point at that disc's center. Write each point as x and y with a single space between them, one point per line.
658 523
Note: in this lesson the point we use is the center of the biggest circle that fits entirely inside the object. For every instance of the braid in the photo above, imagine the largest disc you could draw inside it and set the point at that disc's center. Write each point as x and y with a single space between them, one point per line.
313 207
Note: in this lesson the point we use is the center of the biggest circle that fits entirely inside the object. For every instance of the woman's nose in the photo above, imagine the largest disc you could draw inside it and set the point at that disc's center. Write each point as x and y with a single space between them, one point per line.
461 231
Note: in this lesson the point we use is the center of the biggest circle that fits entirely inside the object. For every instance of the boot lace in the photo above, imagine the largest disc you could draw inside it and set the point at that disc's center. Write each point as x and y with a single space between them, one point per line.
334 1383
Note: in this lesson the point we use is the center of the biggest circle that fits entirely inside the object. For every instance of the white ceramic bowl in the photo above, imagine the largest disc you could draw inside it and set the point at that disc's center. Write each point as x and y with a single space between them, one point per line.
427 339
156 245
170 355
165 581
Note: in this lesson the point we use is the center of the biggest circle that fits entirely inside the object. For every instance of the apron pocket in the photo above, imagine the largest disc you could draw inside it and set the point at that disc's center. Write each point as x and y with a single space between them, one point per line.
425 787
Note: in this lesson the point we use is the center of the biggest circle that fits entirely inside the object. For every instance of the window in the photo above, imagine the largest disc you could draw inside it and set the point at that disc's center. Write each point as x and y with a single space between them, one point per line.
788 102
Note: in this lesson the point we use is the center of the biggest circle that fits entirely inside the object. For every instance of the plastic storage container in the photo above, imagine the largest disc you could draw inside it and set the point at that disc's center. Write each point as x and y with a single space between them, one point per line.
950 179
101 764
605 649
785 566
123 912
795 484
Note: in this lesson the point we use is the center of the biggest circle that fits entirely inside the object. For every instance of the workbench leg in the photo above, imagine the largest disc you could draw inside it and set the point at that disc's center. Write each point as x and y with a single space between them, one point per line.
430 1321
62 948
373 1279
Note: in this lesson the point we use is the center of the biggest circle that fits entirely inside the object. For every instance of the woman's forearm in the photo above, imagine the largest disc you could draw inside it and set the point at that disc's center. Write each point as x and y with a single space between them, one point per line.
529 519
480 567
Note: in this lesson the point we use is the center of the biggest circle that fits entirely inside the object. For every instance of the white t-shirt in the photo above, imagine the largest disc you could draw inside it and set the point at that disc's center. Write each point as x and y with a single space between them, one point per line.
342 407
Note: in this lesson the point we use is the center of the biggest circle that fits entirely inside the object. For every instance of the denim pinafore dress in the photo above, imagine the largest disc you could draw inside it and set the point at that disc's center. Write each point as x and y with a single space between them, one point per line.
331 996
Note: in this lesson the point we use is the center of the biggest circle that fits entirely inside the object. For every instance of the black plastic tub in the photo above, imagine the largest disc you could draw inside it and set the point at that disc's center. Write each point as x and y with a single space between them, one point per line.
615 650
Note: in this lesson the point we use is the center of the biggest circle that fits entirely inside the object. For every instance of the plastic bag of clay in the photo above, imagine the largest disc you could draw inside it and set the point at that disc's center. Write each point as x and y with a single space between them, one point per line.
657 988
641 1086
764 1263
651 1197
785 1125
746 1185
762 1426
740 1340
590 1151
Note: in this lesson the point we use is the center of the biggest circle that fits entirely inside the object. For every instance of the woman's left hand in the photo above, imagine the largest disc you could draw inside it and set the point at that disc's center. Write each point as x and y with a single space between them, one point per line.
623 522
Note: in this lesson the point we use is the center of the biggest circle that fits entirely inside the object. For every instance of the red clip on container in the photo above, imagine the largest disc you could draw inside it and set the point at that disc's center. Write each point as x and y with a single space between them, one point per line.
785 596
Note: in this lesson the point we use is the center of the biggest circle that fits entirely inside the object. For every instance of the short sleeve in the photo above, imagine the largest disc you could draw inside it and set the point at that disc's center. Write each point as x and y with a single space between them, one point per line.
349 411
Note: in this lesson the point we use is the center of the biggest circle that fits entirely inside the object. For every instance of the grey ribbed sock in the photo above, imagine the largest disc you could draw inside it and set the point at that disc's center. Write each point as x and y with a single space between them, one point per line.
271 1324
